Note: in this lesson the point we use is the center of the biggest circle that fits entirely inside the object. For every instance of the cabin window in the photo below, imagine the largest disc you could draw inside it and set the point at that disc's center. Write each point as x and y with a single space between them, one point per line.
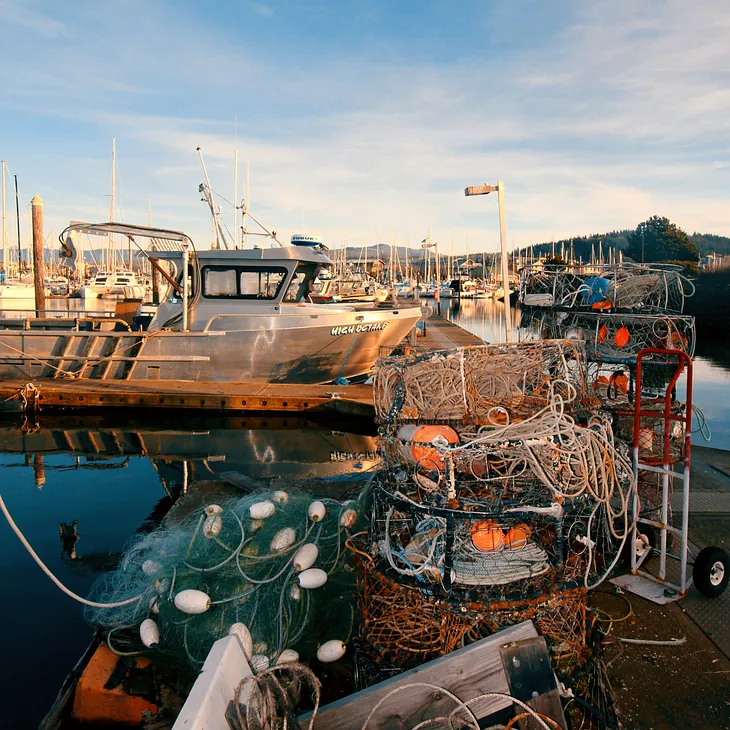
220 283
301 283
243 282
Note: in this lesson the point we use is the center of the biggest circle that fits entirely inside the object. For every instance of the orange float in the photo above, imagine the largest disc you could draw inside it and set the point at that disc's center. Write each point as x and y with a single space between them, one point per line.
420 450
622 337
602 334
487 535
517 536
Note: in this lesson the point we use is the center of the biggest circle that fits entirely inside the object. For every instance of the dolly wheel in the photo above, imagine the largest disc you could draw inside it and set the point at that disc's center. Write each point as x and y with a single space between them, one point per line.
711 571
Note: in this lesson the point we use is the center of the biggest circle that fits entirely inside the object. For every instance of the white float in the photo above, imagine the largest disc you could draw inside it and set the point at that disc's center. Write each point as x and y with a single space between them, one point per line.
149 633
331 651
288 656
316 511
280 497
212 526
191 601
241 631
262 510
213 509
283 539
348 518
150 567
305 557
312 578
259 662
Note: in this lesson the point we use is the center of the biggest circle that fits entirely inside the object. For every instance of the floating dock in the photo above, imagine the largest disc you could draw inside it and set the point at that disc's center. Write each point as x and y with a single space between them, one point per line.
351 400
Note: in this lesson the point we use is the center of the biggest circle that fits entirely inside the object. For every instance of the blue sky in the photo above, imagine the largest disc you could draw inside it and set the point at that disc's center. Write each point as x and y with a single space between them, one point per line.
363 118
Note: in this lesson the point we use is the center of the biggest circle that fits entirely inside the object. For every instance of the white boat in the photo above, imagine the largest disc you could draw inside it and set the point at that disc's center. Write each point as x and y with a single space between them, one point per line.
16 291
114 284
236 316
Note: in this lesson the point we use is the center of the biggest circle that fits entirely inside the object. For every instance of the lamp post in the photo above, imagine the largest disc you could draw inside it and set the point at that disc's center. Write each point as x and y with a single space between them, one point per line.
437 293
499 189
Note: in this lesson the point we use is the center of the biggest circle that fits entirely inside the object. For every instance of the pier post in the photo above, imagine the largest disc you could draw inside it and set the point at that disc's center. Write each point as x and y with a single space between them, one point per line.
38 266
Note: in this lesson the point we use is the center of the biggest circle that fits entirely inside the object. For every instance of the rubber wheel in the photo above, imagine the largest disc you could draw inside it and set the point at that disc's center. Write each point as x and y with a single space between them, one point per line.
711 571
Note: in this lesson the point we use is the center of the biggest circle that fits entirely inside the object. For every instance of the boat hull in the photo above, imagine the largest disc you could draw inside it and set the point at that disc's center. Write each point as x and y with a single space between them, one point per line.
301 345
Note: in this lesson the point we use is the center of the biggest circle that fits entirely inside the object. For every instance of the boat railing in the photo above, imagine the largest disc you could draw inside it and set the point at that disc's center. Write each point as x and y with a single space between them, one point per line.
66 324
33 313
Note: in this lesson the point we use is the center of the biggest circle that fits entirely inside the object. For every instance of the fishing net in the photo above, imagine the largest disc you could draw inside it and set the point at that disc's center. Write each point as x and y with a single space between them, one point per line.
623 287
478 384
404 626
612 337
239 555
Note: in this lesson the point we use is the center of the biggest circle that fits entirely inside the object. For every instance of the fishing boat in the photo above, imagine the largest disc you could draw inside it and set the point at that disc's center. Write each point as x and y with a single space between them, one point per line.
231 316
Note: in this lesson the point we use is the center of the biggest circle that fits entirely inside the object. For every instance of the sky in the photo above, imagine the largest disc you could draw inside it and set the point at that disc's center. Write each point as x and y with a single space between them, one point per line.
366 120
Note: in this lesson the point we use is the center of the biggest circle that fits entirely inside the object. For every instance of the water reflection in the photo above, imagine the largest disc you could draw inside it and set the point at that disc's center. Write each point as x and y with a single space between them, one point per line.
80 488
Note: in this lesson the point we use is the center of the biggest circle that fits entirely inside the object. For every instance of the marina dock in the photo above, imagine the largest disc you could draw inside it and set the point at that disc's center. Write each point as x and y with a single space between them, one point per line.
351 400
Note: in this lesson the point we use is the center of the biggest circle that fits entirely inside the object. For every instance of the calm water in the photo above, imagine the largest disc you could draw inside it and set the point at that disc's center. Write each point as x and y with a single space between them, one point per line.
711 390
114 480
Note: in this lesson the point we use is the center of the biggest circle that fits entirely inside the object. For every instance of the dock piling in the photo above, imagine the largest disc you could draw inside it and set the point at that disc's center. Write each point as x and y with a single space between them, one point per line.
38 265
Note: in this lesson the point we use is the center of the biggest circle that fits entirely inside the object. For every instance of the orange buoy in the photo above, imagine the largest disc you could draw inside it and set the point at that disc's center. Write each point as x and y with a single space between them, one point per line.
600 380
622 337
602 334
605 304
421 449
517 536
621 382
487 535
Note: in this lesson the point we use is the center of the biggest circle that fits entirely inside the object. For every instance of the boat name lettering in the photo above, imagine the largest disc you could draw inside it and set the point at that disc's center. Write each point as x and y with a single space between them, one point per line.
352 329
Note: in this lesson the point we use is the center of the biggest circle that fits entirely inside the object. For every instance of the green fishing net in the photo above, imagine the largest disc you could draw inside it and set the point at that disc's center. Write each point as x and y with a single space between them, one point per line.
238 561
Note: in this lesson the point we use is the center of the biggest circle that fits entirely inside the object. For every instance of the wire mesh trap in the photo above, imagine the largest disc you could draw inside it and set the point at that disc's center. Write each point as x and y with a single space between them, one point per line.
612 337
478 385
405 626
621 287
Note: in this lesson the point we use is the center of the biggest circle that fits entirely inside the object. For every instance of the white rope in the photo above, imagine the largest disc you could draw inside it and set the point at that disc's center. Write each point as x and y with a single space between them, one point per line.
47 571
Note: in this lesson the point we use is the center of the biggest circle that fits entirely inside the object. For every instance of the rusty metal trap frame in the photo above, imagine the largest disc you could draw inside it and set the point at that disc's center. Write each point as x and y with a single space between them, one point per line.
479 384
403 625
493 552
622 287
613 337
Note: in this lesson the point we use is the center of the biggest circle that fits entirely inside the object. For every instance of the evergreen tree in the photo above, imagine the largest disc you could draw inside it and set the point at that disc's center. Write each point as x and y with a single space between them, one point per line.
658 239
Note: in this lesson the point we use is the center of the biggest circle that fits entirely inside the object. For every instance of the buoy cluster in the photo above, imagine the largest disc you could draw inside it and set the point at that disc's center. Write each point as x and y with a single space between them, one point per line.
256 567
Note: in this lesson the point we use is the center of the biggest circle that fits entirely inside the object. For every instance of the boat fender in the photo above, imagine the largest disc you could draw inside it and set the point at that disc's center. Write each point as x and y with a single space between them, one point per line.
288 656
331 651
312 578
305 557
283 539
262 510
316 511
241 631
149 633
191 601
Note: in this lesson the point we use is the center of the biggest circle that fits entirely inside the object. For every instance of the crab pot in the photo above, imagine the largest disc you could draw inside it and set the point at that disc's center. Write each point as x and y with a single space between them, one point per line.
486 553
404 626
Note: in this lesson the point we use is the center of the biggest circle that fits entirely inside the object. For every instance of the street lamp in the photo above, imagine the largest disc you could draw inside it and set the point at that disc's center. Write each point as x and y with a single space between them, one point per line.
426 243
499 189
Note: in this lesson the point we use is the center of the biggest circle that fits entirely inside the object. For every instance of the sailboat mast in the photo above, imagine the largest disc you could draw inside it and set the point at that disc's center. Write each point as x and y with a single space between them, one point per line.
235 197
5 231
110 254
17 220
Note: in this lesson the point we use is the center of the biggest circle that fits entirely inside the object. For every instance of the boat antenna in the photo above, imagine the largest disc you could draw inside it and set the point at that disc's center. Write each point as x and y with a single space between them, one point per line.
205 188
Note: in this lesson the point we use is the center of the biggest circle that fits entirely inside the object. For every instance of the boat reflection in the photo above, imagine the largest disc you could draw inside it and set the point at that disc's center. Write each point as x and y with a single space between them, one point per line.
243 452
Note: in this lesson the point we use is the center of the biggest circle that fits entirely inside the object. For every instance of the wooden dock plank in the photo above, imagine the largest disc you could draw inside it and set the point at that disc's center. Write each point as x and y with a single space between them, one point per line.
467 673
249 396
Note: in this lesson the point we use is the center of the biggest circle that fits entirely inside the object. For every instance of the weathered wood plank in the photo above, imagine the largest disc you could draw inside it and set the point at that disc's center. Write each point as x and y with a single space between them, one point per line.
531 679
467 673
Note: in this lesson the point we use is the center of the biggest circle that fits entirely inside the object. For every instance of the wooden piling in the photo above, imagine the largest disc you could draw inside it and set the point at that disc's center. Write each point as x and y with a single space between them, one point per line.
38 265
